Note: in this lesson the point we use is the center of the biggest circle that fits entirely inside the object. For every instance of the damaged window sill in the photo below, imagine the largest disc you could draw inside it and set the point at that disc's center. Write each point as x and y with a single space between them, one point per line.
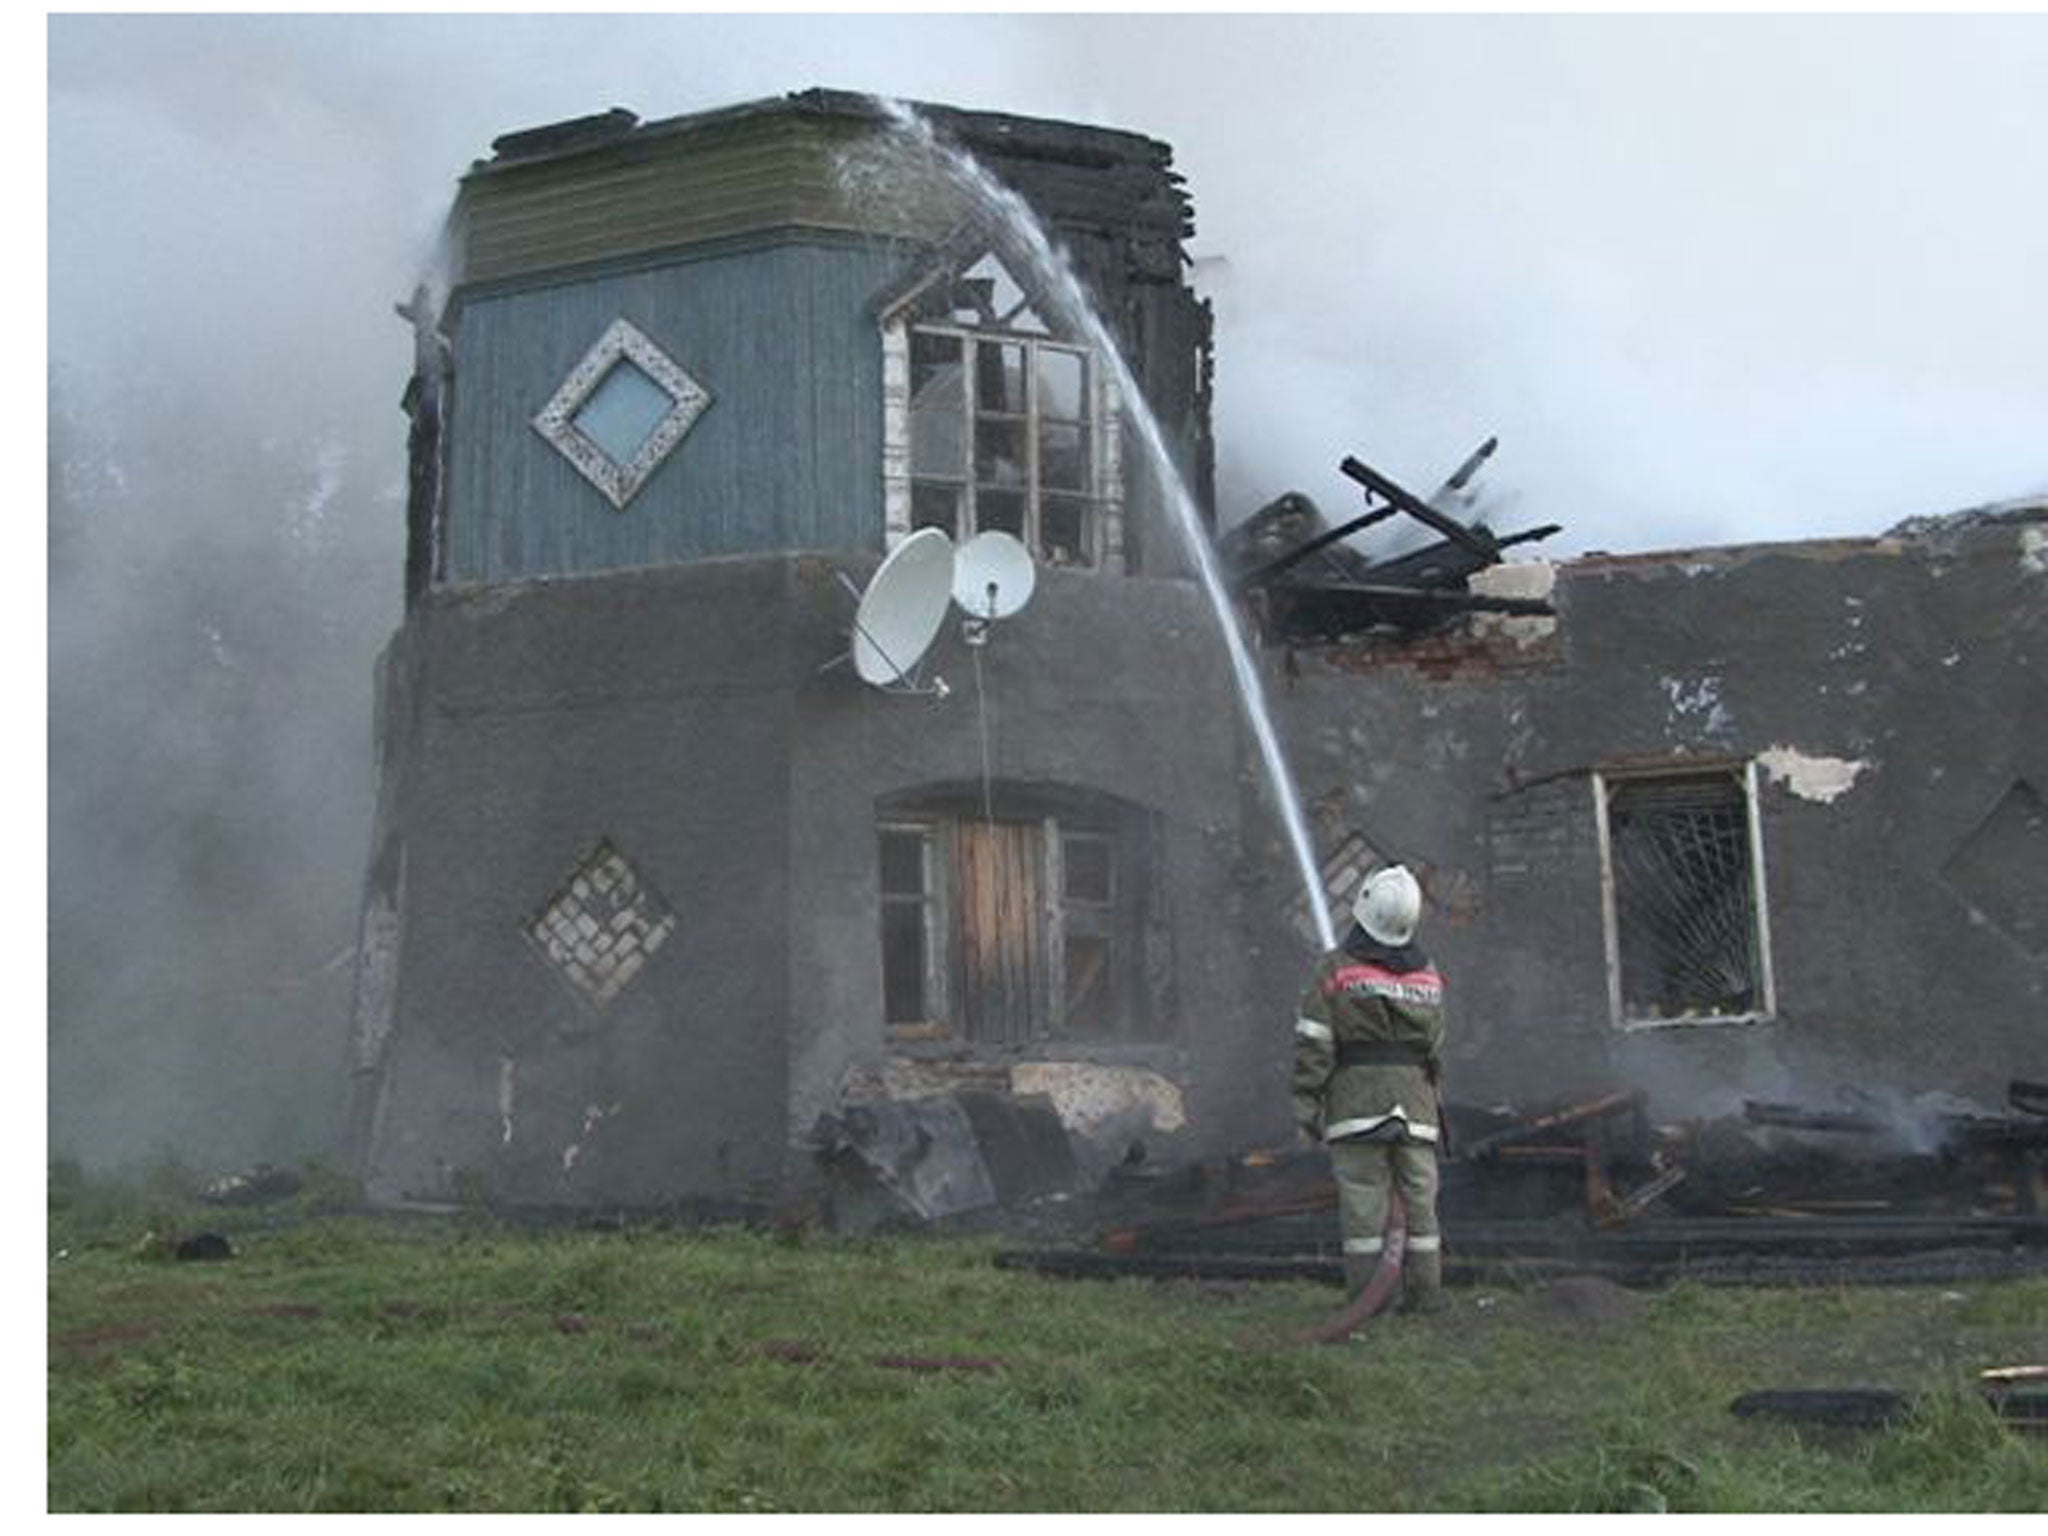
1703 1021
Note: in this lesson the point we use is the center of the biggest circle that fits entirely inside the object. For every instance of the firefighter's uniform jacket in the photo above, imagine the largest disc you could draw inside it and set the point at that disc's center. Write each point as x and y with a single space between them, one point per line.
1368 1044
1367 1050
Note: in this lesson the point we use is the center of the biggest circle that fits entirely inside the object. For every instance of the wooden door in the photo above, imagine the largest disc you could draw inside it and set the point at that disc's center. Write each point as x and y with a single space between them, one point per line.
1000 914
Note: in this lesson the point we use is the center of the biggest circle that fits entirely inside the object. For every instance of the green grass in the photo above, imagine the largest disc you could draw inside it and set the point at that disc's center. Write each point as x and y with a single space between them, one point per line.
344 1363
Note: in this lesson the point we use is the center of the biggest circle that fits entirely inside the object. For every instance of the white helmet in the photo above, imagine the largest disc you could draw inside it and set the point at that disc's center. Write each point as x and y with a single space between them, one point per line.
1389 905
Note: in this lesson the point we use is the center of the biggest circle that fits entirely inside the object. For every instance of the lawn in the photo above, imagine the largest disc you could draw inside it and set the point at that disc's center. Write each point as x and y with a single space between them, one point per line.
345 1362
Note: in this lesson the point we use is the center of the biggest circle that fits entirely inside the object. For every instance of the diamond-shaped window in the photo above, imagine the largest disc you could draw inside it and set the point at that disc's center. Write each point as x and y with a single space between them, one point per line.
602 925
621 411
1998 868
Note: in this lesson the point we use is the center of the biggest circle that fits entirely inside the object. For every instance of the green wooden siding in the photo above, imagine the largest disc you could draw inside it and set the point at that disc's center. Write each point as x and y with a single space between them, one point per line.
767 172
787 456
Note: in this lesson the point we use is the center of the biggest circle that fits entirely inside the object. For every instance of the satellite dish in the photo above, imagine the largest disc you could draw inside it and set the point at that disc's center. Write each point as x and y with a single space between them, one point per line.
993 575
900 613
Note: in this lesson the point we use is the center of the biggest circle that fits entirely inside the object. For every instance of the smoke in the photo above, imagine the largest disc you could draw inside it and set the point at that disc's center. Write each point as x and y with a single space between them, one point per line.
1707 279
1703 276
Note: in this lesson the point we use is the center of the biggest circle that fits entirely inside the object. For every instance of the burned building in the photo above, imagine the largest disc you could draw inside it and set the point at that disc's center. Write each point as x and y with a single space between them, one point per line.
665 901
656 886
1761 821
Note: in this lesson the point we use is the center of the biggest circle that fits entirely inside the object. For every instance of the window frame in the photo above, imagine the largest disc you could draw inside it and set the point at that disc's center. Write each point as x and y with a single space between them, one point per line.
1104 919
1118 920
967 485
934 854
1743 772
1101 496
621 480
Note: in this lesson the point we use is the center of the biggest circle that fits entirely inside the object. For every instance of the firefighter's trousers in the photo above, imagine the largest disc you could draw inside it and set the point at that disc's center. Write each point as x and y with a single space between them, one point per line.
1367 1171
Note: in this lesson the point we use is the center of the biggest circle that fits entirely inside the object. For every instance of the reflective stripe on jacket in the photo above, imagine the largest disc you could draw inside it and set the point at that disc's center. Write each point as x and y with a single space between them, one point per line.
1367 1043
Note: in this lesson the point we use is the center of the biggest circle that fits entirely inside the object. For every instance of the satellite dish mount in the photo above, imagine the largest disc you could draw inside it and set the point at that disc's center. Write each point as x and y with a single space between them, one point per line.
993 577
896 619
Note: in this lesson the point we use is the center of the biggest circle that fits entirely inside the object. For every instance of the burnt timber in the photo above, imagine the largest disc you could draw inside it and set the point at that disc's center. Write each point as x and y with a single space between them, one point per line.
1772 1197
1308 586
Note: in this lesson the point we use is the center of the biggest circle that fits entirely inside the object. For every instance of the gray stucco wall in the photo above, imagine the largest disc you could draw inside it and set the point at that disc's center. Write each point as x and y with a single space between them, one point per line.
539 720
1899 905
1118 688
689 716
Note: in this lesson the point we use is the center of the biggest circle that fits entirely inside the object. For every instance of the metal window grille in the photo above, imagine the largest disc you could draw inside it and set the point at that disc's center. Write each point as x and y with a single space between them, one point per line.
1685 929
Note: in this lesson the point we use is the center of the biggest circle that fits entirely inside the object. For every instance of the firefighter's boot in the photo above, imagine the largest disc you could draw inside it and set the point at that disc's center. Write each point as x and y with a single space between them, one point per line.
1422 1283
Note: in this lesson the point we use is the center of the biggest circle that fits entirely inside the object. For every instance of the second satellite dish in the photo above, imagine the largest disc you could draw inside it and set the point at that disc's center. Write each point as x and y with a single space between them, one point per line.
992 578
900 613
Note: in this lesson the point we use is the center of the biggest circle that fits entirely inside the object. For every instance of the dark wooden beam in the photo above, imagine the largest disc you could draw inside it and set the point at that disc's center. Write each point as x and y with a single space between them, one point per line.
1478 541
1295 556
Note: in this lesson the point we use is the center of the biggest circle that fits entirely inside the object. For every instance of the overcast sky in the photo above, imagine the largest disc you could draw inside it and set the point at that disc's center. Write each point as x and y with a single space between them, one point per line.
1709 279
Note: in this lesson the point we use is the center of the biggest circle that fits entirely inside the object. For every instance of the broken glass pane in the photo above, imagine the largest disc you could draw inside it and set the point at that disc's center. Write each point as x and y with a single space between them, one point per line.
999 378
934 505
1088 999
1089 867
1062 456
1001 510
970 301
999 453
903 962
935 374
1063 531
1062 384
938 442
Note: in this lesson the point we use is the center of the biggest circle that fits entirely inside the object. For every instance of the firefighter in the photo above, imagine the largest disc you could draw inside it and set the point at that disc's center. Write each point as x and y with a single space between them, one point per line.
1368 1053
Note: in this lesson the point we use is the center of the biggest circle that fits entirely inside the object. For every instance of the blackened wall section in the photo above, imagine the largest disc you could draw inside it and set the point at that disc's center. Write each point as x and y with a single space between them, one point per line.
1891 693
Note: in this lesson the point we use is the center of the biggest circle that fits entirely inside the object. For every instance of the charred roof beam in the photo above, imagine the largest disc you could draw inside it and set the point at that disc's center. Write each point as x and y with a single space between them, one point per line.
1259 575
1478 541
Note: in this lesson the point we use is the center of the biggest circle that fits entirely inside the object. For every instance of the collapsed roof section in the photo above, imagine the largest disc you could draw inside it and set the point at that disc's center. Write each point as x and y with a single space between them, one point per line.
1309 586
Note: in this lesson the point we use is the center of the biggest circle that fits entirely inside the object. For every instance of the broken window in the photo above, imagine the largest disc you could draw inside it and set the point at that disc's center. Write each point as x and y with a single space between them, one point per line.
1003 426
1013 929
1687 937
1088 903
913 930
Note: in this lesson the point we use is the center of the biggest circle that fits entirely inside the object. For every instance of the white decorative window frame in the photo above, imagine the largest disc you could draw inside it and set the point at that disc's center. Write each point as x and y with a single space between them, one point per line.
1105 405
556 421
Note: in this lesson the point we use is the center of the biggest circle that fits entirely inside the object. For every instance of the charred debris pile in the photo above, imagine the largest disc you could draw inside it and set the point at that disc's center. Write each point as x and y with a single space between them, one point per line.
1870 1191
1774 1194
1306 585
